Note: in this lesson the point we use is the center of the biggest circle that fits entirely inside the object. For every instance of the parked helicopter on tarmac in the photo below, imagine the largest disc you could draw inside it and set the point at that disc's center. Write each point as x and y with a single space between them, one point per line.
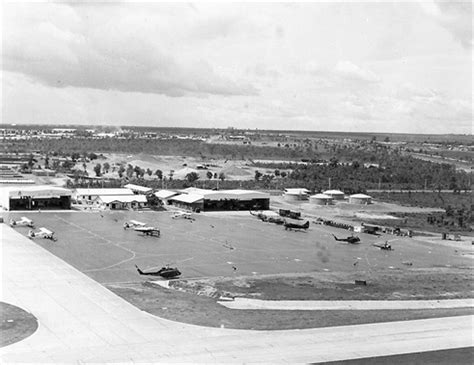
350 239
384 246
165 272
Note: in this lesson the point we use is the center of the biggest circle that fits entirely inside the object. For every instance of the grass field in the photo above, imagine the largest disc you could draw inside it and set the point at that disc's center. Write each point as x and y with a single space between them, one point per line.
215 243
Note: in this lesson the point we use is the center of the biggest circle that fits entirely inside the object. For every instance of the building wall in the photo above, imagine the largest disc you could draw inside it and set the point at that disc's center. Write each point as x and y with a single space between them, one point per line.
63 202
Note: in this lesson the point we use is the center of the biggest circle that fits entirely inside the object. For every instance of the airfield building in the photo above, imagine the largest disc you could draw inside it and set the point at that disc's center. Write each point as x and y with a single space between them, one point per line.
89 195
321 199
360 199
164 195
295 194
136 201
35 197
137 189
221 200
335 194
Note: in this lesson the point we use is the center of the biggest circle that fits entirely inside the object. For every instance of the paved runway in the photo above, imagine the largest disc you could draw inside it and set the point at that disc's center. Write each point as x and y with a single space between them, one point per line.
81 321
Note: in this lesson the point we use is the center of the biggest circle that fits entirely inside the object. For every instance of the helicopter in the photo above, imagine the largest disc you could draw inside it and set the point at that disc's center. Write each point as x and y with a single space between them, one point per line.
165 272
350 239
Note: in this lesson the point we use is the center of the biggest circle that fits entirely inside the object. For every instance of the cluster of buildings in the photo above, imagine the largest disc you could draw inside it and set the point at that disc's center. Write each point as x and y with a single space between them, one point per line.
327 197
137 197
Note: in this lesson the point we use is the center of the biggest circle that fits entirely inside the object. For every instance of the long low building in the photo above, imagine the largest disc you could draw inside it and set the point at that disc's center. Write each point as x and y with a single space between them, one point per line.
121 201
89 195
35 197
209 200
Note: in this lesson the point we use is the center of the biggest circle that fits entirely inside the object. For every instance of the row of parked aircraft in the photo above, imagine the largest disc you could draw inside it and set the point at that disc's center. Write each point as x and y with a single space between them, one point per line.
275 218
40 233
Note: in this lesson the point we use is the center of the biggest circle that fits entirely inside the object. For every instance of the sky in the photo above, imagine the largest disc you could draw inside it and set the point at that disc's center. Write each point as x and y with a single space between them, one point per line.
403 67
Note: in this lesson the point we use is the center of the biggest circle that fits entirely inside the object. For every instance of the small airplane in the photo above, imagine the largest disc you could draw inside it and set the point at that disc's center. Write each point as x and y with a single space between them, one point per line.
350 239
148 231
296 226
133 224
384 246
184 215
22 222
268 218
165 272
42 233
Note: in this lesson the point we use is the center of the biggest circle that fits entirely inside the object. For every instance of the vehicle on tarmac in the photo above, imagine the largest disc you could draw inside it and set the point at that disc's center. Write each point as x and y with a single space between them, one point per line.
42 233
148 231
24 221
270 217
165 272
351 239
296 226
183 215
133 224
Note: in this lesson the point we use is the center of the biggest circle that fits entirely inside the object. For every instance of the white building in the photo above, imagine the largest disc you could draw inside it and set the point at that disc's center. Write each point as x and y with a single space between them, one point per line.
137 189
135 201
296 194
165 195
321 199
335 194
88 195
360 199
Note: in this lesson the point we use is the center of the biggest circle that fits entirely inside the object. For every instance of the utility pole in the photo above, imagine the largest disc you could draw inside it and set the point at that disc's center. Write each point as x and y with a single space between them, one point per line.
329 183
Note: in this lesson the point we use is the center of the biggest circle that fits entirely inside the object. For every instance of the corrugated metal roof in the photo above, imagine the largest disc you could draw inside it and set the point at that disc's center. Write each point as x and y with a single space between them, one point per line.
165 194
142 189
188 198
117 191
122 198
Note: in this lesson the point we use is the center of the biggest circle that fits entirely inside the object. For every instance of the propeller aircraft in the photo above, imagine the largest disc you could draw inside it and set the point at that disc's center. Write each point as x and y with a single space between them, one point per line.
133 224
22 222
296 226
148 231
42 233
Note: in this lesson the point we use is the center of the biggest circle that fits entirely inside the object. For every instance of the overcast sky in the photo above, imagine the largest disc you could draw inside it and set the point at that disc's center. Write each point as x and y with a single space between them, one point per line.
375 67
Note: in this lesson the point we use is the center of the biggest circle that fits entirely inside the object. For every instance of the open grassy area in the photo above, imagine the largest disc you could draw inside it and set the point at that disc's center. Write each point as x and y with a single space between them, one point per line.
277 264
205 311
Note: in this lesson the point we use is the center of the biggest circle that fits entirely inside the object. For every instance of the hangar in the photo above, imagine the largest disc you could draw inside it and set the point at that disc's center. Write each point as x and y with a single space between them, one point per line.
35 197
217 200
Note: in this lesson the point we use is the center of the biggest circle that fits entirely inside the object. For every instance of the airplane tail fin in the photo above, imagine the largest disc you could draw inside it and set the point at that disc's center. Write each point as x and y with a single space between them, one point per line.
306 225
139 271
337 239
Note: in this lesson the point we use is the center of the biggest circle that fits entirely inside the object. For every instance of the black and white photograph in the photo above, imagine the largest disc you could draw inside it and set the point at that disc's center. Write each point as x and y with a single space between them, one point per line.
237 182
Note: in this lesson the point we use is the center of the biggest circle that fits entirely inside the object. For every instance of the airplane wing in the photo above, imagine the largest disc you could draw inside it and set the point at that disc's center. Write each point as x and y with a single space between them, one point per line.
146 229
46 231
137 223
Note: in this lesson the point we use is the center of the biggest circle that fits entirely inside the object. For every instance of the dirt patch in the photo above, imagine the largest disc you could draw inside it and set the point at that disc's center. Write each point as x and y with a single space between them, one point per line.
412 284
15 324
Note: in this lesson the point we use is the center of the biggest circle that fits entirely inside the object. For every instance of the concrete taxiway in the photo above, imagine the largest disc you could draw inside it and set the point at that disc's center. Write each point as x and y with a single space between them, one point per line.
82 321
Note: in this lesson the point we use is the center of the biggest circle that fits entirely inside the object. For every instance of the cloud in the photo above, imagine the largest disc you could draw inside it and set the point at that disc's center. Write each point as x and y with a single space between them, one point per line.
455 17
109 56
349 70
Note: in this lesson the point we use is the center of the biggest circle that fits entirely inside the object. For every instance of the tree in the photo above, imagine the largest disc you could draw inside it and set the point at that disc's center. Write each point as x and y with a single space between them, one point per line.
106 167
209 175
283 174
97 169
121 170
149 172
221 176
129 171
192 177
159 174
258 175
277 173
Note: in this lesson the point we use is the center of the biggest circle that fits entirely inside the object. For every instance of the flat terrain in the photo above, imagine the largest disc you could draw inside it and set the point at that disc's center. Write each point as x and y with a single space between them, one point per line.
237 246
